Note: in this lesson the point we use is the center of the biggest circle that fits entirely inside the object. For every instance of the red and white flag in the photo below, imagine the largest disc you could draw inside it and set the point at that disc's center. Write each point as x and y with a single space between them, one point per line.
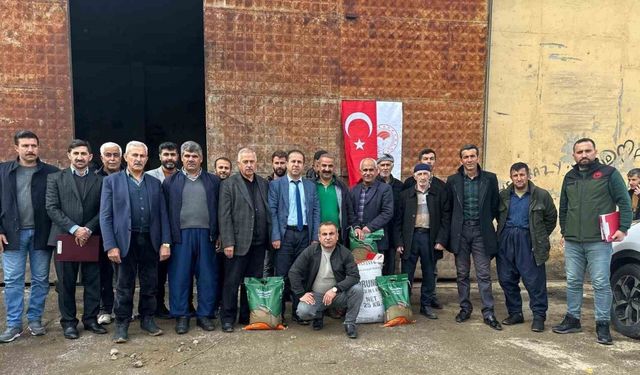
370 129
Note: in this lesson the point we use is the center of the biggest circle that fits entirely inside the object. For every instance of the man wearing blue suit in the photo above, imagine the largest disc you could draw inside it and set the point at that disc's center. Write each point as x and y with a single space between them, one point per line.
135 228
295 216
192 202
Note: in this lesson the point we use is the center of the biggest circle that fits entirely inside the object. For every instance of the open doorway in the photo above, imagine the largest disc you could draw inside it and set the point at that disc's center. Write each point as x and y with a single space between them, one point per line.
138 72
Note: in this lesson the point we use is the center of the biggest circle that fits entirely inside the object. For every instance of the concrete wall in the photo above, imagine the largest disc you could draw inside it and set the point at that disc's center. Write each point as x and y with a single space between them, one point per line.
560 70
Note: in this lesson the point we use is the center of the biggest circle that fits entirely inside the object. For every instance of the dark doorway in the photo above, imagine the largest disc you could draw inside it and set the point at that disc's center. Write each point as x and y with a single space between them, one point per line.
138 72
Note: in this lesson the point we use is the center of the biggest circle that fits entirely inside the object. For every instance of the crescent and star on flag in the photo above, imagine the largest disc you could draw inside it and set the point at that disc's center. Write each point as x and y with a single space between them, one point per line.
358 116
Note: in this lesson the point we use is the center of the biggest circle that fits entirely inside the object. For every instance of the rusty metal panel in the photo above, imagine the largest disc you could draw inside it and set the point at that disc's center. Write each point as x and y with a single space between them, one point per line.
35 78
277 70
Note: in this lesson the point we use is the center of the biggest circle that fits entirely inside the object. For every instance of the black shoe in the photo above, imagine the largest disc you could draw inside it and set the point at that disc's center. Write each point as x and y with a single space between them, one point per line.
492 322
351 330
71 332
512 319
162 312
121 334
227 327
243 321
95 328
297 319
537 325
317 324
569 325
463 316
426 311
205 323
182 325
604 335
148 324
436 304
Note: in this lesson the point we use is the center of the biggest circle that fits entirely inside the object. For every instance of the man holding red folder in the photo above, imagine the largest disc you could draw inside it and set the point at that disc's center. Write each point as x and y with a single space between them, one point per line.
590 189
73 204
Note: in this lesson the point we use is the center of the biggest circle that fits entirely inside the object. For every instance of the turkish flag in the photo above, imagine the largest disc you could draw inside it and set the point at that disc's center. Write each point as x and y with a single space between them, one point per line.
359 128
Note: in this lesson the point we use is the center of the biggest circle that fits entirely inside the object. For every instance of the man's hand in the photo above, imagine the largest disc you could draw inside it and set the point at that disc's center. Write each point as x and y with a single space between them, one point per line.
165 253
228 251
359 234
308 298
400 249
3 241
366 230
618 236
218 244
636 190
81 235
438 246
275 244
114 255
328 297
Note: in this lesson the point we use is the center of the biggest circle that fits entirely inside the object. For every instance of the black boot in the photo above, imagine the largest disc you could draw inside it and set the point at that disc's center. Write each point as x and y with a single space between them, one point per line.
569 325
121 334
604 335
148 324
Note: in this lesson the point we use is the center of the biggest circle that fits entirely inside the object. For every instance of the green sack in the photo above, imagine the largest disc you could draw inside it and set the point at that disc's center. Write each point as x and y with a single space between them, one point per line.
395 296
265 299
368 242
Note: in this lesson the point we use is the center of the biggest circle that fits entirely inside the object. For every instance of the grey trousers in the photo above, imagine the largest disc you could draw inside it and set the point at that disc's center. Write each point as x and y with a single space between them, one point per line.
351 299
471 244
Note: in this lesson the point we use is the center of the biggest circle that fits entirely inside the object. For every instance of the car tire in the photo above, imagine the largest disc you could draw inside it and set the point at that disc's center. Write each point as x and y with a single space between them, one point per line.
625 309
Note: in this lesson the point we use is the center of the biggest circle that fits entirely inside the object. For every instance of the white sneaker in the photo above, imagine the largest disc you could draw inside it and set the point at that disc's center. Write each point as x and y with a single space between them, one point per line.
104 319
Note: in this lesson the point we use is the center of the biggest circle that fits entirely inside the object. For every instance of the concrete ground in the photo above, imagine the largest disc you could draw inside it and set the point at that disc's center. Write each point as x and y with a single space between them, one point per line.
427 347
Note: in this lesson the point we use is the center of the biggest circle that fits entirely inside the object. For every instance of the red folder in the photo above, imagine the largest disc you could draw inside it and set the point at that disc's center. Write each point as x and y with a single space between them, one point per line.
68 251
609 224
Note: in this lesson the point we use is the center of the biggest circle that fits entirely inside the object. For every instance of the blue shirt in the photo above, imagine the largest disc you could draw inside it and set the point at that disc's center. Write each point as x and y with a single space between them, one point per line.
292 219
518 216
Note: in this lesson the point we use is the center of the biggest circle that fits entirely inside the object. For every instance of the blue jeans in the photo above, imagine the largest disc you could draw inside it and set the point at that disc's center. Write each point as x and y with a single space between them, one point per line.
14 263
596 258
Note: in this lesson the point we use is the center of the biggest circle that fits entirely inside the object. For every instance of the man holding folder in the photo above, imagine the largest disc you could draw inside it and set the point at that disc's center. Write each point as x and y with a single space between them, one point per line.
73 204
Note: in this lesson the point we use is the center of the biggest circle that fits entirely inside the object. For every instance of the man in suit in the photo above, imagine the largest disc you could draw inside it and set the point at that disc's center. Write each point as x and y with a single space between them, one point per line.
192 205
111 157
245 224
73 204
372 205
135 228
421 225
295 216
473 194
24 228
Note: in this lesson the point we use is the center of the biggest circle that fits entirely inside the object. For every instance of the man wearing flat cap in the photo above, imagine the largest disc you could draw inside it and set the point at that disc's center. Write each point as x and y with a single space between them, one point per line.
385 166
421 224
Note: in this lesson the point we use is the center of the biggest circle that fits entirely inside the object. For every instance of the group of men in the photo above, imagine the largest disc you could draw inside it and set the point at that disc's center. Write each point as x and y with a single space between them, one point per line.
185 224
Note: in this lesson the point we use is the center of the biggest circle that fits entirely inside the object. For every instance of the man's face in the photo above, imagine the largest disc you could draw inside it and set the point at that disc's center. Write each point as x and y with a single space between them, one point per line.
223 169
326 168
27 149
136 159
369 171
422 178
279 165
247 164
634 181
429 158
328 236
168 158
191 161
80 157
520 179
584 153
469 159
295 163
111 159
385 168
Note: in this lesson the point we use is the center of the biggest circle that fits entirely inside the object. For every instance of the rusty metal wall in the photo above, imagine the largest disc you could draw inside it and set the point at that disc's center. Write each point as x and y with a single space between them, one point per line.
35 75
277 71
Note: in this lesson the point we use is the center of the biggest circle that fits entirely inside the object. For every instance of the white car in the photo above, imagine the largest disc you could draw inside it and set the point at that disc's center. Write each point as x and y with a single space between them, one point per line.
625 282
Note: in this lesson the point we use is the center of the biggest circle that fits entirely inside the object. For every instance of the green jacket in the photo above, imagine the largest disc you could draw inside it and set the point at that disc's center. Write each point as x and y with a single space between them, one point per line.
543 217
586 195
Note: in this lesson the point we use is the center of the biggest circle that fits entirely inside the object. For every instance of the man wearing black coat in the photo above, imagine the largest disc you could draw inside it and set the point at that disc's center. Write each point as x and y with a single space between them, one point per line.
420 231
385 166
474 198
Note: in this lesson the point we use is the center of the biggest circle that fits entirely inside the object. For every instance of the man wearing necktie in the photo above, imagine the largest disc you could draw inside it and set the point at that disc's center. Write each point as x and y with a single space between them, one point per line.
295 214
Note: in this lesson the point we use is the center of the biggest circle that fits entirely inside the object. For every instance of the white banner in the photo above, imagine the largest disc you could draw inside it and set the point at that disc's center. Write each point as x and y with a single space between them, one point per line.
389 116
